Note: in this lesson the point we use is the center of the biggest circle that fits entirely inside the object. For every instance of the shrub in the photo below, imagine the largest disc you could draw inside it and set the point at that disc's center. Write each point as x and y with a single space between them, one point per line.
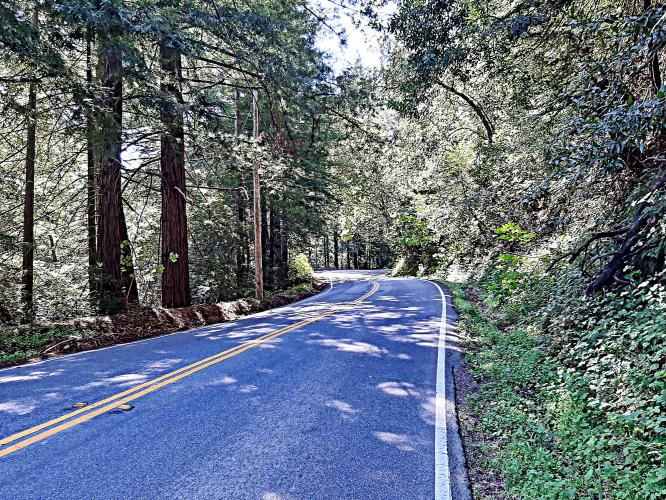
300 269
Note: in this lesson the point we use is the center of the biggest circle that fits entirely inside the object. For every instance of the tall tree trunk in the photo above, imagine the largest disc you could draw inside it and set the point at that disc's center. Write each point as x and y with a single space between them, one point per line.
327 260
91 208
355 257
240 206
276 233
27 278
127 278
265 244
284 250
110 208
256 178
175 258
655 70
273 249
336 249
240 244
348 257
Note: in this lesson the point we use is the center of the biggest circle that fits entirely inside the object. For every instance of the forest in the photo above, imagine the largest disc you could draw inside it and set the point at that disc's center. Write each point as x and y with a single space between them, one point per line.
175 153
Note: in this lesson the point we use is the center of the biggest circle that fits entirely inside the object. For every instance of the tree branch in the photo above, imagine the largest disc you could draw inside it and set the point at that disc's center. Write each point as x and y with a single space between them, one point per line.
488 125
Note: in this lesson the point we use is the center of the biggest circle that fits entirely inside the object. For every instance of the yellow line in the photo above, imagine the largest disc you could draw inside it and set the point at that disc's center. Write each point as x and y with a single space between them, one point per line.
153 385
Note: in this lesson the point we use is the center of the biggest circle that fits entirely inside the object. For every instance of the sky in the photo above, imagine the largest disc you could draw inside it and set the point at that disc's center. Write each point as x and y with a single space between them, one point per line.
363 42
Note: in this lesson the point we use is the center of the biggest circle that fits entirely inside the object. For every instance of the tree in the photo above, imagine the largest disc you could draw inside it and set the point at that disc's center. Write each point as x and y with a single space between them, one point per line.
175 258
114 252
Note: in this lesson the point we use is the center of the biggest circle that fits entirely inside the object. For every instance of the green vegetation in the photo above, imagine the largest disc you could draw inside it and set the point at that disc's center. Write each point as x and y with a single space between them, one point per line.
574 401
19 345
300 269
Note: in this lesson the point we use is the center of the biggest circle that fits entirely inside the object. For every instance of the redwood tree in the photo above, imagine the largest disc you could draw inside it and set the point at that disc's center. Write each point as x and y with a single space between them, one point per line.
27 279
110 239
175 275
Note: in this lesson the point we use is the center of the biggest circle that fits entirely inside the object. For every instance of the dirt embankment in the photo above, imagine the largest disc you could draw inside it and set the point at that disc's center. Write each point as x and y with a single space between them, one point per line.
94 332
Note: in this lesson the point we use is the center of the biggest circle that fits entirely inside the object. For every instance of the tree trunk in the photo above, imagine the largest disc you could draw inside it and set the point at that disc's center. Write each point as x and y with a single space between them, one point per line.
91 208
27 267
265 244
175 258
240 207
110 208
284 250
54 255
348 257
127 278
327 253
336 249
256 177
274 248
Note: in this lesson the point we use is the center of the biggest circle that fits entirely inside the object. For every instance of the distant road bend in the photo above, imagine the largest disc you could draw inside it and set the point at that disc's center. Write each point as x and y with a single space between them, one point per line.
345 395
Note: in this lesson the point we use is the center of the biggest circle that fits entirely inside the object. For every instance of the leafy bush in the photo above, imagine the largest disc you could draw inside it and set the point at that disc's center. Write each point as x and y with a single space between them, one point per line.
300 269
512 232
572 389
18 344
416 246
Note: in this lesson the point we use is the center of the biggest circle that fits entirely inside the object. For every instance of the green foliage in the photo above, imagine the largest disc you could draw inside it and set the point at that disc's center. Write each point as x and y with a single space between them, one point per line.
300 269
574 399
20 344
415 245
513 233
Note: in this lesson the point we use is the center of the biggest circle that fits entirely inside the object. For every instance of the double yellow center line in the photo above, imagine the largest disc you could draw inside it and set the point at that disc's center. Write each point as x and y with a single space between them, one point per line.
91 411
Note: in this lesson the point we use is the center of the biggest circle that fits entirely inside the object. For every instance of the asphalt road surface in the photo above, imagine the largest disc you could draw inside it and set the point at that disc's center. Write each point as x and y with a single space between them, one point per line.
345 395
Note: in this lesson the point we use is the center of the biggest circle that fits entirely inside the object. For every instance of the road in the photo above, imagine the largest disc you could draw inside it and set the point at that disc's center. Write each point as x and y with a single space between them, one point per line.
332 397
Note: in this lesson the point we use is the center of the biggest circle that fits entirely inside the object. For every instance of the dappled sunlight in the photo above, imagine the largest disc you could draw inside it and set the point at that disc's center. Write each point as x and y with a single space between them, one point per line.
36 375
226 380
389 298
15 407
352 346
271 344
125 380
403 442
271 495
345 410
401 389
247 388
162 364
429 409
385 315
425 400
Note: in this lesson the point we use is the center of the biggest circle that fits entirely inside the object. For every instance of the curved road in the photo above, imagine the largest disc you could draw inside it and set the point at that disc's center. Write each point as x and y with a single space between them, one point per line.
333 397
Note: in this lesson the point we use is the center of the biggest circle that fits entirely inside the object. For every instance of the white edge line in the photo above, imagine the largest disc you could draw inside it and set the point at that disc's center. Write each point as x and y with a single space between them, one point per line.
442 472
255 315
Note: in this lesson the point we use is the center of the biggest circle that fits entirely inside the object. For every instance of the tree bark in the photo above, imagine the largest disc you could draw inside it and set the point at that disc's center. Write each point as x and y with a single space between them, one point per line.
110 287
655 70
127 278
265 244
284 250
241 246
336 249
256 178
27 277
327 259
175 252
274 248
348 257
91 181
